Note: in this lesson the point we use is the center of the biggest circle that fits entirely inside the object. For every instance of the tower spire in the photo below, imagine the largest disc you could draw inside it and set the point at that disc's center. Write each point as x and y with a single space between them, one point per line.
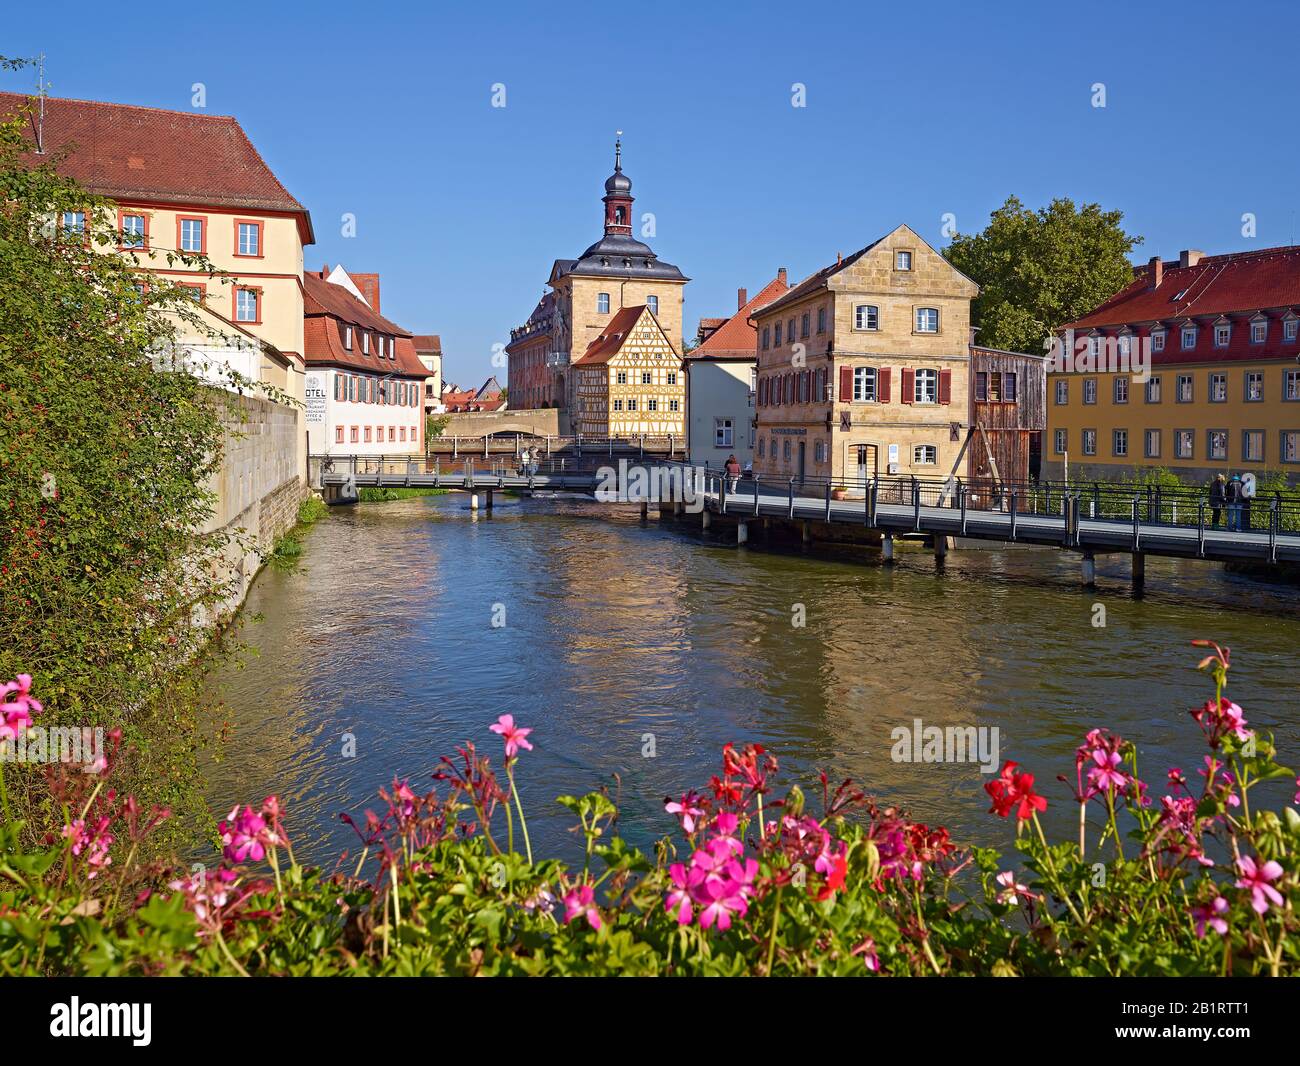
618 152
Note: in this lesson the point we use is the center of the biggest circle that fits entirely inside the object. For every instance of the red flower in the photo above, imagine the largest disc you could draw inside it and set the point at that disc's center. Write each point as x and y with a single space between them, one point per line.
1011 789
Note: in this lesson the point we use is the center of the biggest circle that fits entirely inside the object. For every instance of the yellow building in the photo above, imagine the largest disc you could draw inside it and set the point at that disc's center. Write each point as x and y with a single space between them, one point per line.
863 367
1193 367
616 272
629 381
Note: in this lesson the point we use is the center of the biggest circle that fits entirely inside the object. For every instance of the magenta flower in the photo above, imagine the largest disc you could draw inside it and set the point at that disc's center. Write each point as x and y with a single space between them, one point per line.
679 896
16 714
513 735
686 810
1104 773
1212 916
245 835
580 902
94 841
867 949
1256 878
206 893
1012 889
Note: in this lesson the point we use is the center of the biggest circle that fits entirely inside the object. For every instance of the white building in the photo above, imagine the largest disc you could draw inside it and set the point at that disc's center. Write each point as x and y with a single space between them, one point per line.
365 384
720 378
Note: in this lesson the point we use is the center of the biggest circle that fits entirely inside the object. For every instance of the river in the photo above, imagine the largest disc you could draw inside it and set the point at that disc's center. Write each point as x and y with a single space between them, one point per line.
617 633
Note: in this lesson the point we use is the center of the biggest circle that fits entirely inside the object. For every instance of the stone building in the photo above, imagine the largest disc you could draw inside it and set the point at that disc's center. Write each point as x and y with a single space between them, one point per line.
629 381
616 272
863 366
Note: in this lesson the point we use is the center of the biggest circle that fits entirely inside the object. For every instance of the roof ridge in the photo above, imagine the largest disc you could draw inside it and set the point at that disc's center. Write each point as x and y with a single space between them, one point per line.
133 107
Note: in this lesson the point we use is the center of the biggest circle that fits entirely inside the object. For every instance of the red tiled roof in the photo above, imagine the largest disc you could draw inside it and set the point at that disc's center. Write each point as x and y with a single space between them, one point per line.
611 338
818 279
427 342
1218 284
145 153
321 297
736 338
325 306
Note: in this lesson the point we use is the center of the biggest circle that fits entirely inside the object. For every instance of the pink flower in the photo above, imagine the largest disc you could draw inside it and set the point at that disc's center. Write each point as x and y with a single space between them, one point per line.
1256 878
717 882
686 810
245 835
1012 889
95 842
580 902
867 949
1211 916
205 893
513 735
16 715
679 896
1296 801
1103 774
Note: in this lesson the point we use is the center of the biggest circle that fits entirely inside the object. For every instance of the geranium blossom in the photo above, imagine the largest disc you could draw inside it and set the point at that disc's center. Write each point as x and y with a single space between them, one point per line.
1211 915
94 840
1011 790
1256 877
580 902
514 736
685 809
1012 889
246 835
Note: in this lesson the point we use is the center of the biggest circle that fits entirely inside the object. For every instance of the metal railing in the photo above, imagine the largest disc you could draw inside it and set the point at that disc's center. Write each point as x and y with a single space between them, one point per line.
515 443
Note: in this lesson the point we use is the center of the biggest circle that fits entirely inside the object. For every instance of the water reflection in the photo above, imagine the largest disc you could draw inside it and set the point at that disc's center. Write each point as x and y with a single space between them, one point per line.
617 633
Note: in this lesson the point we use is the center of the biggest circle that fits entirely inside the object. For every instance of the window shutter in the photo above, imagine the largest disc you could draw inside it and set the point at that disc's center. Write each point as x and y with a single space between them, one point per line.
882 384
762 392
945 386
909 385
846 384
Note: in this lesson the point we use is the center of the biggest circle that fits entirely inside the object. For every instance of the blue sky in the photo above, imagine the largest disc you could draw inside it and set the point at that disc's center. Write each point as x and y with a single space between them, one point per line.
913 111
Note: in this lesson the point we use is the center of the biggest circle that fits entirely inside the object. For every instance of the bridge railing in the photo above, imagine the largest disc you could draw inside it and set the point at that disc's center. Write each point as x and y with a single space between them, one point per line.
550 445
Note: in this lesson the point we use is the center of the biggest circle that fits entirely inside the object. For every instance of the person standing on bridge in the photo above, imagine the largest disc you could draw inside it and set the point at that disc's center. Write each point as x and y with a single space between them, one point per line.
1217 496
524 458
733 472
1233 496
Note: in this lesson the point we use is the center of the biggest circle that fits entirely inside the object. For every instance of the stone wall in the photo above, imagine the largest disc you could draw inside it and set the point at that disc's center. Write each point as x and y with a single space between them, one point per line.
258 488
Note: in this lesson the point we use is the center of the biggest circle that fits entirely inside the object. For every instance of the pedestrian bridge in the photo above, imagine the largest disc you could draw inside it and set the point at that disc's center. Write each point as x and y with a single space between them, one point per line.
1088 519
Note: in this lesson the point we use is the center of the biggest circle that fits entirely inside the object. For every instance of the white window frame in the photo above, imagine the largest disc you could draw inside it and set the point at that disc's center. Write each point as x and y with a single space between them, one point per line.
253 246
652 302
923 324
925 455
723 433
1188 338
865 382
869 314
186 240
925 386
347 337
903 260
602 303
240 296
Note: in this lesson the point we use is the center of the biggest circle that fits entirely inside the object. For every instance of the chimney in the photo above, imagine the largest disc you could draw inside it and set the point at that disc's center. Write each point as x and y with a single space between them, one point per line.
742 298
839 258
1156 271
1189 257
780 276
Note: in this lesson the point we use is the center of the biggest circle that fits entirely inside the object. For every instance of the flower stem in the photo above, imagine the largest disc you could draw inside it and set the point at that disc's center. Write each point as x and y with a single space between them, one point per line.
523 825
771 937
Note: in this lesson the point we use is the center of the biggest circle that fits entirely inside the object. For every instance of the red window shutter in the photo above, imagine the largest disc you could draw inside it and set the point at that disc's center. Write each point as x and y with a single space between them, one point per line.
882 384
909 385
945 386
846 384
762 392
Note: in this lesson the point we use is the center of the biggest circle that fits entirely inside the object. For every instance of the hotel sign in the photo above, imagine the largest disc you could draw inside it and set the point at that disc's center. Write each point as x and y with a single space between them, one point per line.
315 397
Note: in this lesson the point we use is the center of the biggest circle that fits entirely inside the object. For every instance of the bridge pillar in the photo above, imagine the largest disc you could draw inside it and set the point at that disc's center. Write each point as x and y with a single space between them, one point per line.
742 532
473 501
940 548
489 501
645 510
1089 570
705 519
887 547
1139 569
805 533
679 508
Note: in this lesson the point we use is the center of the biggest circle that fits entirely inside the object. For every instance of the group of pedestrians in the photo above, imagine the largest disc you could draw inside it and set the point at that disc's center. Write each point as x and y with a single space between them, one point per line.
1229 495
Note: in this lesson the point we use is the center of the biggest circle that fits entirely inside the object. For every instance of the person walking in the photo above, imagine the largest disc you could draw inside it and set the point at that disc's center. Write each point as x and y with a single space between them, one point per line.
524 458
1233 497
1217 497
733 472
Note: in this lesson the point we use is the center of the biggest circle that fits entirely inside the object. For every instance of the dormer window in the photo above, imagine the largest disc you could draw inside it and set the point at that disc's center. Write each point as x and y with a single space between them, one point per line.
1289 329
1258 332
1094 346
1125 345
365 344
1222 334
1157 340
347 338
1189 338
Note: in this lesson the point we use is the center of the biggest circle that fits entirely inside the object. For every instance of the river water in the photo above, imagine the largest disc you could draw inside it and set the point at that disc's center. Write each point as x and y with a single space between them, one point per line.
619 633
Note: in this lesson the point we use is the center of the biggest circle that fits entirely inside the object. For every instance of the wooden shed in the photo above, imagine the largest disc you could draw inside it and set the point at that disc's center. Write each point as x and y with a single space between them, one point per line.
1008 416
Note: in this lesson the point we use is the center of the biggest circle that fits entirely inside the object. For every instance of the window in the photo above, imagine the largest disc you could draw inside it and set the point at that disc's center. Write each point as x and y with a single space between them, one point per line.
1254 386
248 239
1121 390
339 387
1185 390
367 434
1094 346
602 303
982 385
401 433
74 222
197 290
761 442
1119 443
819 451
925 455
902 260
652 404
767 337
927 320
1291 386
1291 445
1222 334
392 434
866 316
785 450
353 435
1153 390
1125 345
1217 443
246 305
1158 340
675 405
652 302
1218 388
1059 438
646 377
821 320
864 384
631 404
1189 338
927 386
1151 443
1252 445
338 434
672 377
365 344
1062 392
1258 332
804 325
1289 329
1184 444
1089 442
618 405
1089 390
722 433
132 231
1009 388
776 336
192 237
347 337
789 333
620 377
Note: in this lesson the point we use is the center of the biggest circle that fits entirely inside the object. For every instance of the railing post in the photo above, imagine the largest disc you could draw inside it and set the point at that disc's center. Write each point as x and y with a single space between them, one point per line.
437 472
1137 502
828 501
916 503
722 495
1273 517
756 494
961 502
1013 515
455 447
1200 528
1096 500
792 497
875 502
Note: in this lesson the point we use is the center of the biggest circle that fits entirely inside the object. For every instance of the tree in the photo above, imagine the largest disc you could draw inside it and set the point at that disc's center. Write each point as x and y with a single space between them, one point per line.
1039 269
435 426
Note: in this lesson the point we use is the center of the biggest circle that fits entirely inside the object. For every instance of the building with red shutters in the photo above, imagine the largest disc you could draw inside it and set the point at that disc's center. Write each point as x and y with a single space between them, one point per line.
365 382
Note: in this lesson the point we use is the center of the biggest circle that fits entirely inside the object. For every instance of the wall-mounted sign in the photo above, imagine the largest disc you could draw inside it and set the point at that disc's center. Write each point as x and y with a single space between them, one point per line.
315 396
893 454
846 420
